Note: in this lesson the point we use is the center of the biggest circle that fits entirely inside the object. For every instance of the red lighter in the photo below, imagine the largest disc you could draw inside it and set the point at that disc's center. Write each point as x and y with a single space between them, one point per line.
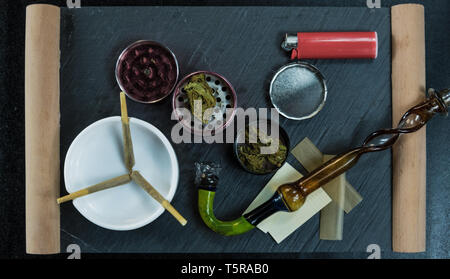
331 45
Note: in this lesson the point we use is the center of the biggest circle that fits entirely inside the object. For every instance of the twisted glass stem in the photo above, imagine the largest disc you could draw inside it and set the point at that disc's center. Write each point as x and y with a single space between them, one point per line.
295 193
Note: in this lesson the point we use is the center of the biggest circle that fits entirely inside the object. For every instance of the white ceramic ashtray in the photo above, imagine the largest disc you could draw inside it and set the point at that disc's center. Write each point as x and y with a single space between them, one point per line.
96 155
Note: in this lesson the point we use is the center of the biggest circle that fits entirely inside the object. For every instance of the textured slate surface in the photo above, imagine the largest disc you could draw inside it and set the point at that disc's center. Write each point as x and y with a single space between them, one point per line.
243 45
12 158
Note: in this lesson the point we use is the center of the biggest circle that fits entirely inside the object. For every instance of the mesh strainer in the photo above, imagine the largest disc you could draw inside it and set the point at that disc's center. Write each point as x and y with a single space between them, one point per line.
223 112
298 90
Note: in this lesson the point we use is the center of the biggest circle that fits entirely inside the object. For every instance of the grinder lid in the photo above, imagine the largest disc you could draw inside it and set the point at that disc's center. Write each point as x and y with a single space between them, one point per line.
298 90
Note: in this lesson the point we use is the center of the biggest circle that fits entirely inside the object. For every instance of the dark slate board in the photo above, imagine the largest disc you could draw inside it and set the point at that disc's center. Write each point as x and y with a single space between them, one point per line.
243 44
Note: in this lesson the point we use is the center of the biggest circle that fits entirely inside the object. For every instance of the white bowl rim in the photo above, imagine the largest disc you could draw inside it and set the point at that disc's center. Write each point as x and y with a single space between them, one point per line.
173 159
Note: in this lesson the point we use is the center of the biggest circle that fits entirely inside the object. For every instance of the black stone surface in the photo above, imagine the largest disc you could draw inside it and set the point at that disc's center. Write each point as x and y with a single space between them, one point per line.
359 102
242 44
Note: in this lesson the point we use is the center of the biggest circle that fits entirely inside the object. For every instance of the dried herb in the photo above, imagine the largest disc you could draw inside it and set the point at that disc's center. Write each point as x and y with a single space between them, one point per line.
251 156
197 89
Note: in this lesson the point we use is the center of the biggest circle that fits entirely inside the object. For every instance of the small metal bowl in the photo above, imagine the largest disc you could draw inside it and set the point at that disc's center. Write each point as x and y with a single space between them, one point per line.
224 111
298 91
240 139
143 61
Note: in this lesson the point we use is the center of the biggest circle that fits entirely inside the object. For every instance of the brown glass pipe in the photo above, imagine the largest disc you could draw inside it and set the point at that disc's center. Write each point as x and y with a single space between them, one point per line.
294 194
290 197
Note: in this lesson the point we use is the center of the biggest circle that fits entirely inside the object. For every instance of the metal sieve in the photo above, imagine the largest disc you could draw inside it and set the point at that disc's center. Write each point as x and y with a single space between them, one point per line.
298 90
223 112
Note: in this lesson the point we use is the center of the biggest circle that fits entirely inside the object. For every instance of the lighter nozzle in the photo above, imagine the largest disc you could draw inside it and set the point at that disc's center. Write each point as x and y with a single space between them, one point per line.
290 42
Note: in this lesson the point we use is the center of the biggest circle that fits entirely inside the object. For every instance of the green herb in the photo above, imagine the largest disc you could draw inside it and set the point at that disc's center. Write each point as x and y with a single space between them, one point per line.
197 89
250 155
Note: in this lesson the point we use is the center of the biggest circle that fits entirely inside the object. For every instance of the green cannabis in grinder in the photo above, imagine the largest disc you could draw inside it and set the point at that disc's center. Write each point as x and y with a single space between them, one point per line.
197 89
250 154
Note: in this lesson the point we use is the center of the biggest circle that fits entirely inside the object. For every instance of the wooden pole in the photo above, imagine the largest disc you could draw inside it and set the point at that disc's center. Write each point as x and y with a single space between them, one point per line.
42 129
409 153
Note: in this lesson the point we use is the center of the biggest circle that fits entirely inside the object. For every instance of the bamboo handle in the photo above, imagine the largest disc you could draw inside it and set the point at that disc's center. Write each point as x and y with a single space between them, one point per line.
141 181
117 181
409 153
42 169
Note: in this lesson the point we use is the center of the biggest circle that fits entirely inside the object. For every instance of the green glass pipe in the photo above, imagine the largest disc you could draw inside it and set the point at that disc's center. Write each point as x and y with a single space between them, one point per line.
206 209
291 196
